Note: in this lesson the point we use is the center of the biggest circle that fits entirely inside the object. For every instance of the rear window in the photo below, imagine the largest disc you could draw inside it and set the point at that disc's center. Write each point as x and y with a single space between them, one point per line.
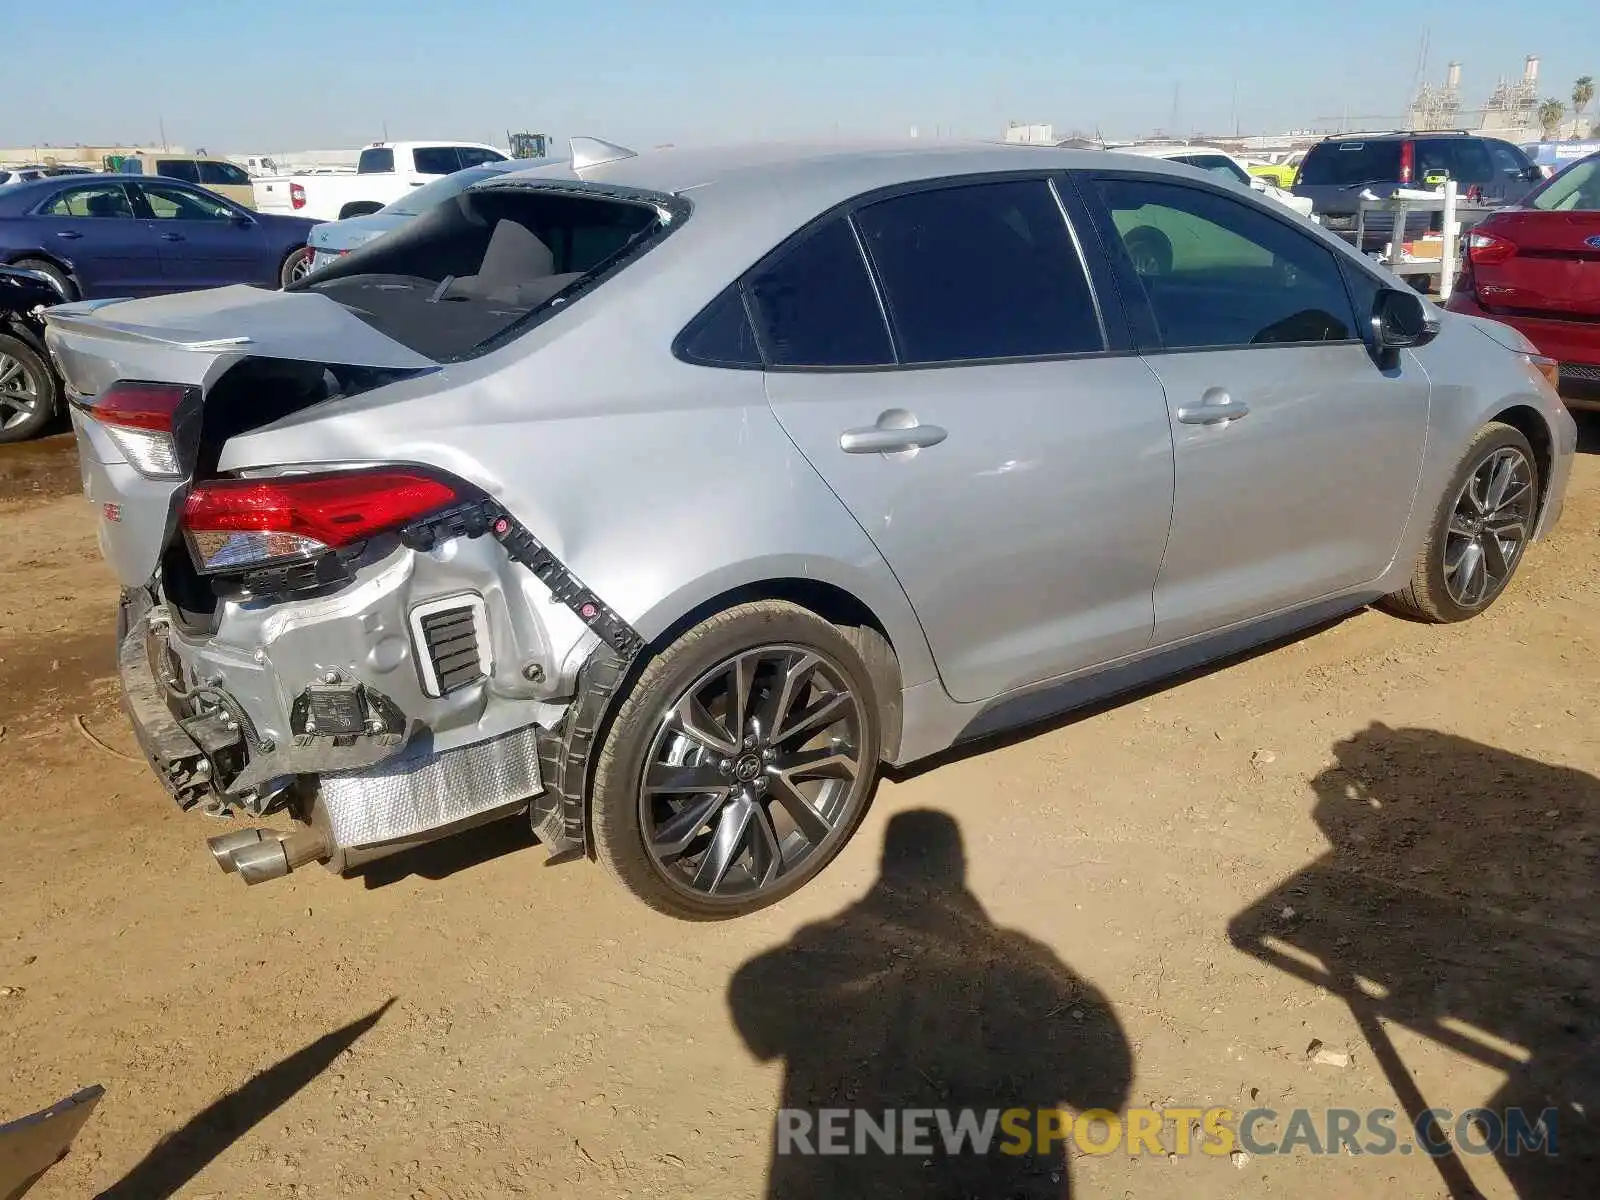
375 161
1342 163
482 265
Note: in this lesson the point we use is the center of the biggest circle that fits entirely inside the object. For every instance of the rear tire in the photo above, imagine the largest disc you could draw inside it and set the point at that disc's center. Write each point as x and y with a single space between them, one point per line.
1480 530
29 391
296 267
50 269
706 816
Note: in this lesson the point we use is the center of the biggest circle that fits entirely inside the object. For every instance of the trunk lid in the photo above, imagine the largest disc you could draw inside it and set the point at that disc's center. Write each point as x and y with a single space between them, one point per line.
193 339
1554 271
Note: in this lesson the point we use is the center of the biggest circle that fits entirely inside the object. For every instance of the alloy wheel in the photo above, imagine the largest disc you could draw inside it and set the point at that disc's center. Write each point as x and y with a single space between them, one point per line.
19 392
1490 524
301 267
755 767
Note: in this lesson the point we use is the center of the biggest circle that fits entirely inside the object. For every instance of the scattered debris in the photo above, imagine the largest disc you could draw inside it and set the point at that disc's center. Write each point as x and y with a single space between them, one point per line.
1262 758
1318 1053
77 722
1288 914
1239 1159
11 991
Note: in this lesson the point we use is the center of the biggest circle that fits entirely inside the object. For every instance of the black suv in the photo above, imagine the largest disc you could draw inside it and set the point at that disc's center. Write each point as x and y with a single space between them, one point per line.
1337 170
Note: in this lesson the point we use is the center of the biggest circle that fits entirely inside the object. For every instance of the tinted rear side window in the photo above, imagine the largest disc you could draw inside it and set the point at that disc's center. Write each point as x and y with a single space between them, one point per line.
1465 160
980 272
223 173
721 335
375 162
436 160
815 306
1342 163
178 168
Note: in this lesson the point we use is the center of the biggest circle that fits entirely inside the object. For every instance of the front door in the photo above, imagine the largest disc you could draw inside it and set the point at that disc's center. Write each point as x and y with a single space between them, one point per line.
1015 475
204 242
92 227
1296 457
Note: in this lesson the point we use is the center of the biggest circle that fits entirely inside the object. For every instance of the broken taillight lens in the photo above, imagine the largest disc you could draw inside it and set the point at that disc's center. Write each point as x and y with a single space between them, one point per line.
142 419
242 524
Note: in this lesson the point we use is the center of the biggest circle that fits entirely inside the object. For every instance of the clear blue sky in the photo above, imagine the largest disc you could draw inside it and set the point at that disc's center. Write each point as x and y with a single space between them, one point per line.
240 75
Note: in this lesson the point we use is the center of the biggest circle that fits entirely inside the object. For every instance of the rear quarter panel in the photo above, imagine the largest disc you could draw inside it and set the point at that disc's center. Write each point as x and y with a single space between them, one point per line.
660 484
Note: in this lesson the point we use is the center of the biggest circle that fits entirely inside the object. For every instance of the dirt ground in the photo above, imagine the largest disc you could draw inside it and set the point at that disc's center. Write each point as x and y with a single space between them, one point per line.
1382 836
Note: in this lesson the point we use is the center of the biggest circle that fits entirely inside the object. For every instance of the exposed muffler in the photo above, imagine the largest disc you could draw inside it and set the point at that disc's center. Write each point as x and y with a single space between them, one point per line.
258 855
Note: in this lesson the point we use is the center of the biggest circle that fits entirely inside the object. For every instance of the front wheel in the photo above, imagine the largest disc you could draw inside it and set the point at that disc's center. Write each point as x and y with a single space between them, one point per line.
28 390
296 267
740 762
1481 528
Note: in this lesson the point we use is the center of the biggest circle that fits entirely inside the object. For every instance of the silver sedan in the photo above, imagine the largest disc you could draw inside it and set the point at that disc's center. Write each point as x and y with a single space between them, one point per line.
665 500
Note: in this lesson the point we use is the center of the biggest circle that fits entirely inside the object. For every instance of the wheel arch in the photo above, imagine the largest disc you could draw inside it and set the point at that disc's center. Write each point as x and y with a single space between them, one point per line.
55 260
1531 423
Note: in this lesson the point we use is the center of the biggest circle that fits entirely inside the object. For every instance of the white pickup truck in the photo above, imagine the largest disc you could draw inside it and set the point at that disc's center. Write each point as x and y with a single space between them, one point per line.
384 172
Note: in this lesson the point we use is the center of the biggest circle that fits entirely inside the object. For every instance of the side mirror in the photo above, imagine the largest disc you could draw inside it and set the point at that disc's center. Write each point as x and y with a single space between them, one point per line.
1401 319
244 222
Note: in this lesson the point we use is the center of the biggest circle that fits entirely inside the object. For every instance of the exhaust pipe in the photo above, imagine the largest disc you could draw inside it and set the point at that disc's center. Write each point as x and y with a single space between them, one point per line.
222 847
271 855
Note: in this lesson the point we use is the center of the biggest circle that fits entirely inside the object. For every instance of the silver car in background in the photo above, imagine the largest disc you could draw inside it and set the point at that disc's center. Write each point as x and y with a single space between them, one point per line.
667 500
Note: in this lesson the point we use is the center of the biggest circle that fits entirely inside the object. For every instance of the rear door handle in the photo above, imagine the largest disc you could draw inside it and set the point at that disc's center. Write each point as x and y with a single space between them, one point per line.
882 439
172 237
70 235
1215 407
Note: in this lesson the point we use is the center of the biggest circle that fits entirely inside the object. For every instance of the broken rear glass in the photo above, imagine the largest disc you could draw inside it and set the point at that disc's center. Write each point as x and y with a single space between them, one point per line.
481 265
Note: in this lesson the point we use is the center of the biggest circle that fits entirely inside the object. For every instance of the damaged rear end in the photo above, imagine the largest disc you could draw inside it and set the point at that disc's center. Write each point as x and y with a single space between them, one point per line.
380 648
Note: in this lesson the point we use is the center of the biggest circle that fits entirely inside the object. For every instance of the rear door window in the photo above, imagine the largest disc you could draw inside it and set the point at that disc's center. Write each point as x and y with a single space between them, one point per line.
1510 162
1219 272
224 174
375 160
814 305
1344 163
95 200
436 160
980 272
1463 159
179 168
473 156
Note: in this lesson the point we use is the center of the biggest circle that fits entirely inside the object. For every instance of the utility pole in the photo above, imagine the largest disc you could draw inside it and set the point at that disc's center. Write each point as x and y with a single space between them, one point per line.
161 122
1174 123
1235 106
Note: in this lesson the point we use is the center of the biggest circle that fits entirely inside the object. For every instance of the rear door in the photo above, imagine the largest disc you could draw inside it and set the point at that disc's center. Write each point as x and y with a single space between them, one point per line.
203 241
1007 455
92 226
1296 457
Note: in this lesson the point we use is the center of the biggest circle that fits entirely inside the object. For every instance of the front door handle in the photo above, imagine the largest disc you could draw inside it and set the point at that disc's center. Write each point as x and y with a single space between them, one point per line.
70 235
895 431
172 237
1215 407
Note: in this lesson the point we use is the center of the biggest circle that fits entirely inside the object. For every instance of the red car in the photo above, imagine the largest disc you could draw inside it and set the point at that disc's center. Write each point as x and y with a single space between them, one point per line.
1536 267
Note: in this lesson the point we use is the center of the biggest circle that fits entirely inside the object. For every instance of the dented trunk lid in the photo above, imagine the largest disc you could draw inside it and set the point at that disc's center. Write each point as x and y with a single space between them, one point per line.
194 339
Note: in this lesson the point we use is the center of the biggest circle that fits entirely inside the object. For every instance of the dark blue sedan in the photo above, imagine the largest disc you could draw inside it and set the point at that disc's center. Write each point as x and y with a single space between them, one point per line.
131 235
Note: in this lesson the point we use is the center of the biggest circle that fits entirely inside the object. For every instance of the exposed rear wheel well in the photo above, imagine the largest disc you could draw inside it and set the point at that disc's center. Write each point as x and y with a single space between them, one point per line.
358 208
836 606
1531 425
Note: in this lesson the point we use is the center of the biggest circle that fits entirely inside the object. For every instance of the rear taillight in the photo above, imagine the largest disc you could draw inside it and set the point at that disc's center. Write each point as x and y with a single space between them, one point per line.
297 196
142 419
242 524
1487 250
1408 161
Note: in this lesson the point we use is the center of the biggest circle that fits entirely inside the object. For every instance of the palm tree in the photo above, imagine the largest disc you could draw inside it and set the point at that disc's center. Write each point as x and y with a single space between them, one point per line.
1550 114
1582 93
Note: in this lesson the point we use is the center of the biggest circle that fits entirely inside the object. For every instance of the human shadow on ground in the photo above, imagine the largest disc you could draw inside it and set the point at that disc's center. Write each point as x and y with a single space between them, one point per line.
1460 900
180 1157
914 999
